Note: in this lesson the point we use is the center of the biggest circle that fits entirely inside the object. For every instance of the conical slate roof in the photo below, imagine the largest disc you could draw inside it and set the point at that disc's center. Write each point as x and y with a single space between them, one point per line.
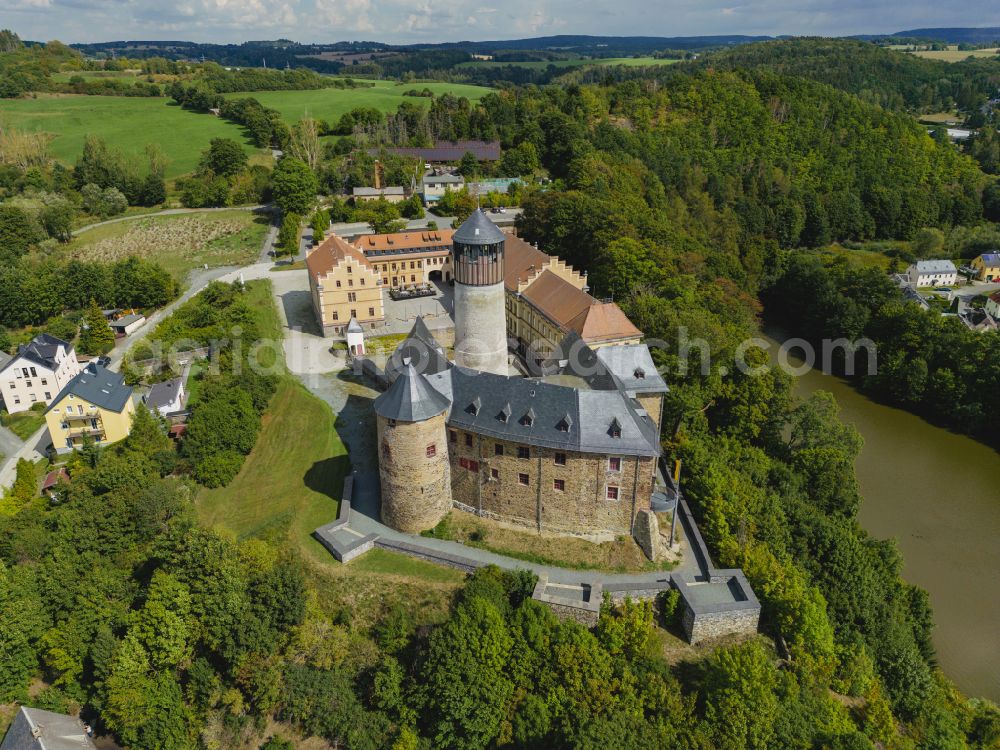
411 398
420 349
478 230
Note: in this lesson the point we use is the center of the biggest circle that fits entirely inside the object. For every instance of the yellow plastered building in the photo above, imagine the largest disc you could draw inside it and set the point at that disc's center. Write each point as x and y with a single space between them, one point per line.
96 404
987 267
343 285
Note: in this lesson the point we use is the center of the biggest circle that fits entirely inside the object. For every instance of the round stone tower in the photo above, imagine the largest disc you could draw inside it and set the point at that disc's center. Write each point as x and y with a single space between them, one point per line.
480 318
413 453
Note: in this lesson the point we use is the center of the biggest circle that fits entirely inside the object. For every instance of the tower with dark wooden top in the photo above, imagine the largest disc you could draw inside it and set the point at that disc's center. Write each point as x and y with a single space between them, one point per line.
480 317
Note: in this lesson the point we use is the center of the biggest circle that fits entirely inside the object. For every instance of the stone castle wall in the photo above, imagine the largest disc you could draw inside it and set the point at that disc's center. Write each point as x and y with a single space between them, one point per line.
581 507
416 488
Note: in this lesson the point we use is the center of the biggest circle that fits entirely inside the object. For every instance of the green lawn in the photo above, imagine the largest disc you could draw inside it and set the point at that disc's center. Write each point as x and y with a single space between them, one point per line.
330 104
291 481
179 242
128 123
24 424
575 63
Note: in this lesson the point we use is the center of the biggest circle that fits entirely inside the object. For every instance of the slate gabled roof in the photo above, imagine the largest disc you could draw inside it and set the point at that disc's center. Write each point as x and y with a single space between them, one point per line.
42 351
162 394
411 398
590 413
629 367
478 230
98 386
632 365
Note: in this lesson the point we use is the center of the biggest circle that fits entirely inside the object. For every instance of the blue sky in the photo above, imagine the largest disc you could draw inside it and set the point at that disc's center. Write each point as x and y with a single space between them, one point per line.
454 20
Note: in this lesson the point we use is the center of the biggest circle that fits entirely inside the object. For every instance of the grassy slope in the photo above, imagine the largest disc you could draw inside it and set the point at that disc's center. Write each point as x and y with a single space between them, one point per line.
125 122
330 104
291 484
24 424
152 238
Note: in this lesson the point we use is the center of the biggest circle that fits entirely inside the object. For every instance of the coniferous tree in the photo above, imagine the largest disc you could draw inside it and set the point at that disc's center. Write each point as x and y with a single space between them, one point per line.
97 336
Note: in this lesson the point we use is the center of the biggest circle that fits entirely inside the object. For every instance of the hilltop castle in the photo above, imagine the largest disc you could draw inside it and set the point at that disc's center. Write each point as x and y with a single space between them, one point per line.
571 450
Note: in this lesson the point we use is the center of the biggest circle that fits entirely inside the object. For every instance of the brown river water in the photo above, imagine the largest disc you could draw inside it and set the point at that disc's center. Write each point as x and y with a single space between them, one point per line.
938 495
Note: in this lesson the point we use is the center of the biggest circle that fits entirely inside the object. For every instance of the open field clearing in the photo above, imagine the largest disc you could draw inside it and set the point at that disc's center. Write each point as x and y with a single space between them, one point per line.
543 64
179 242
330 104
953 54
126 123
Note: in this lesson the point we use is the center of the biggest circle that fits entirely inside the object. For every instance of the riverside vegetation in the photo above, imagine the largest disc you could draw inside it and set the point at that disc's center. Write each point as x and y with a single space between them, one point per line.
685 194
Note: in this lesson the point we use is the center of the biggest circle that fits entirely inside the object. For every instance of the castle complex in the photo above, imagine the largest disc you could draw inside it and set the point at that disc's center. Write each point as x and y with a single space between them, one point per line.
571 449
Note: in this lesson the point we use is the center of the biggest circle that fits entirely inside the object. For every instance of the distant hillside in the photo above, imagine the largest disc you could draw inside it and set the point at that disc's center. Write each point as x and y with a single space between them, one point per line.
600 45
878 75
956 35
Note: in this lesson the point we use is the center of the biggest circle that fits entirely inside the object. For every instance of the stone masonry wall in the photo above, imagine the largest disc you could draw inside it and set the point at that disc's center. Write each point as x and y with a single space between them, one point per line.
416 489
581 507
701 627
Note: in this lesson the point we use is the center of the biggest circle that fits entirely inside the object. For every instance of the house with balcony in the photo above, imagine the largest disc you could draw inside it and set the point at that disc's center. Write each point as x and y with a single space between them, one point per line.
40 369
95 404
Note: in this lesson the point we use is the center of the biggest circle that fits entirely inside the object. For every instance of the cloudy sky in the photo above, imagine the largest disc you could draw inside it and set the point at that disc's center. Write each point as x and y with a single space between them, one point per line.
454 20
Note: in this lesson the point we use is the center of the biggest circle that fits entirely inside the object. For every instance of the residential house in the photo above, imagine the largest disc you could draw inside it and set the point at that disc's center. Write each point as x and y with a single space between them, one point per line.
95 403
987 267
393 194
993 305
168 397
126 324
40 369
35 729
932 273
343 285
436 185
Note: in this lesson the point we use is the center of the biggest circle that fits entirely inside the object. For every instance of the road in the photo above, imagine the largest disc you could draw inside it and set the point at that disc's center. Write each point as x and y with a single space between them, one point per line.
34 447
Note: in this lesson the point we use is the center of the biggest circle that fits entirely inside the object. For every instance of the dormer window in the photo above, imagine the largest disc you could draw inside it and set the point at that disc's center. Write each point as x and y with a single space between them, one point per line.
639 373
565 423
474 407
615 430
504 415
529 418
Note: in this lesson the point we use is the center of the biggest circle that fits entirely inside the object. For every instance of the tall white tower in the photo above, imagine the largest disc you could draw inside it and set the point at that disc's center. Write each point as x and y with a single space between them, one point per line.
480 317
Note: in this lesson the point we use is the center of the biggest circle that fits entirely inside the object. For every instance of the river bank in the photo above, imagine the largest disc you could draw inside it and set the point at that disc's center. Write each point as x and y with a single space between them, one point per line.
938 494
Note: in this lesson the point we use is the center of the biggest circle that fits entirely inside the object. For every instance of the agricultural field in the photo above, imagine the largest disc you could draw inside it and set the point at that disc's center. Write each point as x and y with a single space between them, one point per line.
574 63
127 123
954 54
179 242
330 104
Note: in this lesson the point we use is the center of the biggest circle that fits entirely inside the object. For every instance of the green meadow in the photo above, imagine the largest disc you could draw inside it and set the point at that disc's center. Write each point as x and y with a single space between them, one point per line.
129 123
330 104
